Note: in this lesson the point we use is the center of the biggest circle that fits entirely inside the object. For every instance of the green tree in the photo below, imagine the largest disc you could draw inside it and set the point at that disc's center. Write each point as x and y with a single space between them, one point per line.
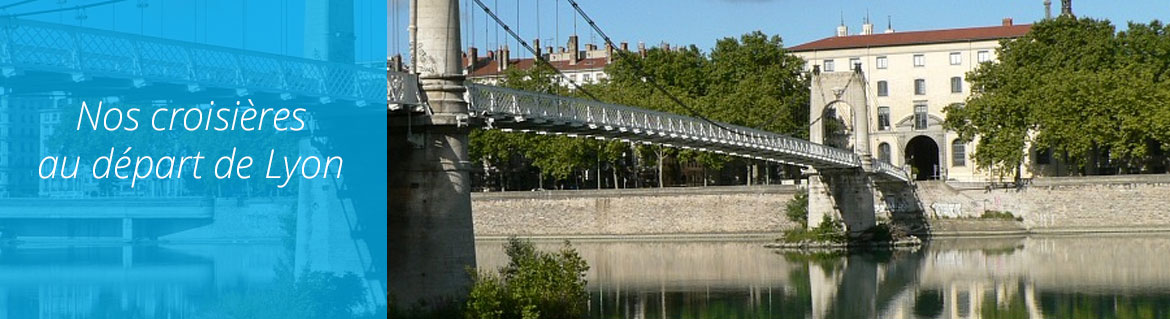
534 284
1075 87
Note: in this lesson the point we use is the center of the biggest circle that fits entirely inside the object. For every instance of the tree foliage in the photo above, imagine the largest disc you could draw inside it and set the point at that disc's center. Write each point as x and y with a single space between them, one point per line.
1076 87
750 81
534 284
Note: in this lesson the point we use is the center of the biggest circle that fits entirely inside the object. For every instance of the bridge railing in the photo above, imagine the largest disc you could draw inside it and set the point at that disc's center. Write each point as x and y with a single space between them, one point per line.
887 169
674 129
40 46
402 90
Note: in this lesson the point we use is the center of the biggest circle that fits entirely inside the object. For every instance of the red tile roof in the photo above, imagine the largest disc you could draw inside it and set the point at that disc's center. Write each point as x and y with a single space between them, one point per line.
487 66
915 37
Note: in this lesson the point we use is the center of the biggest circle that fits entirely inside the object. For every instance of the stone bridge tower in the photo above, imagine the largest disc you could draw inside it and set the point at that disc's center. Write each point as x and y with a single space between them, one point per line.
839 117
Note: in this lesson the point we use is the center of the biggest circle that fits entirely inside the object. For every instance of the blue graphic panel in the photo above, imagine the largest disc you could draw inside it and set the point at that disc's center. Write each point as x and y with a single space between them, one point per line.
193 159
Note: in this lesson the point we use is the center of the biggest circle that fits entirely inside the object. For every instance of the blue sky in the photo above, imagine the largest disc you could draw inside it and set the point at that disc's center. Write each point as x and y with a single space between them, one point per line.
701 22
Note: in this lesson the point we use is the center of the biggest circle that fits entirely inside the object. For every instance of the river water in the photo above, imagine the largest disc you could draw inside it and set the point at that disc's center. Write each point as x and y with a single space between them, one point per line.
1083 276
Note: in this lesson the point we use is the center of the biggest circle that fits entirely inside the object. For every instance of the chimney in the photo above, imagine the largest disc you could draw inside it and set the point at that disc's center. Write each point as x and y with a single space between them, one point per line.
396 63
472 56
505 58
1007 22
536 46
608 53
625 46
574 51
499 58
866 27
550 51
842 30
642 49
665 46
889 25
1047 9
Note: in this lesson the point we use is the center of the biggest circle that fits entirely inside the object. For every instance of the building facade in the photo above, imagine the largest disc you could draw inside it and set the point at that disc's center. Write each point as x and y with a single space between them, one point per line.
910 77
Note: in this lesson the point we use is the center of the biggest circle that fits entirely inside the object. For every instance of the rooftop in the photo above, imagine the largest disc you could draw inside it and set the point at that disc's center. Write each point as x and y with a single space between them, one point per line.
914 37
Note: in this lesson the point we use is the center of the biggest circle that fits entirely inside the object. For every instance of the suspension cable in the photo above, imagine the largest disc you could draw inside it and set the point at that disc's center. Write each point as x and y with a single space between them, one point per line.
537 56
638 69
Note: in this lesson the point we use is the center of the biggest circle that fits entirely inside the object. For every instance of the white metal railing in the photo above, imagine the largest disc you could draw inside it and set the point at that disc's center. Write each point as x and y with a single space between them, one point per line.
509 107
49 47
402 89
887 169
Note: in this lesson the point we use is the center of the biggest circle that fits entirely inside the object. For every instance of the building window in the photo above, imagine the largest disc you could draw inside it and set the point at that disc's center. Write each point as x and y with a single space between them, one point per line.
854 63
920 117
586 78
956 85
882 62
919 60
884 152
958 153
919 87
883 88
956 58
983 56
883 118
828 65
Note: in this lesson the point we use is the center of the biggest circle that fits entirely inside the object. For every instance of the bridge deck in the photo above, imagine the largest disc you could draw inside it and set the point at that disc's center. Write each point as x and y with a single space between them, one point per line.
543 113
76 59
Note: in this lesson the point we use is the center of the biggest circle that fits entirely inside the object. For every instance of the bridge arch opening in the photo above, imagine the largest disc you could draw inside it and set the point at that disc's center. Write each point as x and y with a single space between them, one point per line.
922 156
835 124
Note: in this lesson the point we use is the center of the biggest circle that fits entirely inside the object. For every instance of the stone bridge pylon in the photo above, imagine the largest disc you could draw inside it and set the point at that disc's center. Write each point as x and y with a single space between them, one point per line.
839 116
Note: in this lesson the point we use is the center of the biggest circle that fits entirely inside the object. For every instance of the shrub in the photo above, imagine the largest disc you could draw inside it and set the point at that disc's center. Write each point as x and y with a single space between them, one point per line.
1005 215
797 209
828 230
534 284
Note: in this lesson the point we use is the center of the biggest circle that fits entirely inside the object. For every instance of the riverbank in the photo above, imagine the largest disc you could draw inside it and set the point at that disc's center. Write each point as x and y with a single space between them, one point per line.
1062 205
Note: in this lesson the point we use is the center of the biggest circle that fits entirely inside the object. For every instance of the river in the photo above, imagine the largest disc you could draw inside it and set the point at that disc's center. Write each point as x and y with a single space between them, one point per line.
1082 276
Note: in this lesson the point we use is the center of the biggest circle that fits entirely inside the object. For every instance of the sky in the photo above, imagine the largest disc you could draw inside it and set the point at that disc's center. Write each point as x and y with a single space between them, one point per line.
702 22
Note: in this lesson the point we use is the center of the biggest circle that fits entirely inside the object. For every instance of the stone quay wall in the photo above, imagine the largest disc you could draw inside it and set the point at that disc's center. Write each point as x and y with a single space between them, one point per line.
1126 203
1129 203
629 212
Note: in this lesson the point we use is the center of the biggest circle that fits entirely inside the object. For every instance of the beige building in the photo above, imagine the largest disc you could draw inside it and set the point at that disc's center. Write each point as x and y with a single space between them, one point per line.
910 77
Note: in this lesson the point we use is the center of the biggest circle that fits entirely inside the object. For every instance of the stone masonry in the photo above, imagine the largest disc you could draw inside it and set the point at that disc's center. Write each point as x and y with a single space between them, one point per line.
707 210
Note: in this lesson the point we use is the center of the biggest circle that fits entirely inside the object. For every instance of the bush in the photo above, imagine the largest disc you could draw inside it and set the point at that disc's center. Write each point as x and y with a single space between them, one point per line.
828 230
797 209
1005 215
534 284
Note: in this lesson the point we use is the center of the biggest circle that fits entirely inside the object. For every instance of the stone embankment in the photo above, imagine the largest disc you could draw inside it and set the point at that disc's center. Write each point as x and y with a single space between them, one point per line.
666 212
1132 203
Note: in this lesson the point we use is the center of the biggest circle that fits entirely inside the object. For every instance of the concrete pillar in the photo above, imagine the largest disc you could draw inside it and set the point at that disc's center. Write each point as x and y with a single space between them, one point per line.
127 229
431 242
329 31
820 201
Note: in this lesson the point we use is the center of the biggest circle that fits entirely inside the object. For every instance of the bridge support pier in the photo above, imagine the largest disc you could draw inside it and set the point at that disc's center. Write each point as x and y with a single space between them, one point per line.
431 242
127 229
844 196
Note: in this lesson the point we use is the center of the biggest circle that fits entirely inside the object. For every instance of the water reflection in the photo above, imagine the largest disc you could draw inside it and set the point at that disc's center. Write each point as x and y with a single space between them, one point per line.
1099 276
123 281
